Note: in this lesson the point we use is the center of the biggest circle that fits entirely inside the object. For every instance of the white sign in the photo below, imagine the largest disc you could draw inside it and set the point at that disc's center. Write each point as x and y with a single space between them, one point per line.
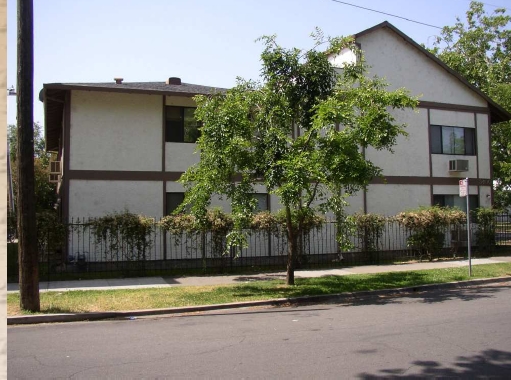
463 188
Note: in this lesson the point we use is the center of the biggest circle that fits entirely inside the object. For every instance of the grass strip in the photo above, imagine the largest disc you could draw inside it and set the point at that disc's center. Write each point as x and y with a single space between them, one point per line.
80 301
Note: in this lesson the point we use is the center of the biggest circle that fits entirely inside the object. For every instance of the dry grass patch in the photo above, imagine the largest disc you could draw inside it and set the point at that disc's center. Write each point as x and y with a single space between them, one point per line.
157 298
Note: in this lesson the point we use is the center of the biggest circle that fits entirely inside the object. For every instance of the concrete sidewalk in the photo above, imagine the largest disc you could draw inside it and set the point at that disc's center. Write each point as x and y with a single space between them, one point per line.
160 282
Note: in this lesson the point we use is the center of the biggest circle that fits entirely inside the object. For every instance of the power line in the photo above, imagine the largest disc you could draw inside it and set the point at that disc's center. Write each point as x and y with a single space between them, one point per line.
388 14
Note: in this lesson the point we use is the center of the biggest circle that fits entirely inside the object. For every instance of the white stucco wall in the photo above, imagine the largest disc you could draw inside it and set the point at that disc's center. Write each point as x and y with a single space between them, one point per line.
405 66
483 146
180 101
180 156
446 189
345 56
410 157
452 118
485 196
114 131
92 198
392 199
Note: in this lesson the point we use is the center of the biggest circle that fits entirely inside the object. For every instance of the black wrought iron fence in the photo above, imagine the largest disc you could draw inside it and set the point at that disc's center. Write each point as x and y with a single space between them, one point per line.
86 255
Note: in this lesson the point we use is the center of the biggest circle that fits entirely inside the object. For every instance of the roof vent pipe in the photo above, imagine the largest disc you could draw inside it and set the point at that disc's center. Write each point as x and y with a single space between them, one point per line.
174 80
118 80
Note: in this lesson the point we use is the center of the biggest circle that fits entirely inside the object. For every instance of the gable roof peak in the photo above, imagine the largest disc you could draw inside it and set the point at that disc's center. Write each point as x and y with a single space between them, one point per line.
498 113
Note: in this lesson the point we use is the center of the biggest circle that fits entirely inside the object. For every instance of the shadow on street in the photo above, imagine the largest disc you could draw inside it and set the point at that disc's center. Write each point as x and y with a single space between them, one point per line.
488 363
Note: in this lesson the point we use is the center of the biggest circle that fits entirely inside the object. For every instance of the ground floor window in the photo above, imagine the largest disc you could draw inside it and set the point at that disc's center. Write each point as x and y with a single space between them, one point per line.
262 201
173 200
456 201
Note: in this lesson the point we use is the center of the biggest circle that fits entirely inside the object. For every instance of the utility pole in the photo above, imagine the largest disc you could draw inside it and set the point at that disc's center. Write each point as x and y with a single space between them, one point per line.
27 233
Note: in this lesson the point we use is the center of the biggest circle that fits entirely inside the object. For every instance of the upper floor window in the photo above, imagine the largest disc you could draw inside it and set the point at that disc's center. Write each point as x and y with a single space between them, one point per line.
180 125
453 140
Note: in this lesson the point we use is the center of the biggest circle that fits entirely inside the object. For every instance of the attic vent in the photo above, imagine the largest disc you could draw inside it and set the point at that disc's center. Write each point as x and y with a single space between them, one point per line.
118 80
174 80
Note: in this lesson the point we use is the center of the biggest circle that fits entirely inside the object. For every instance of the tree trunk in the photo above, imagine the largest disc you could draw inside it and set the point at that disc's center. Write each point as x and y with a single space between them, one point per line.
291 248
27 234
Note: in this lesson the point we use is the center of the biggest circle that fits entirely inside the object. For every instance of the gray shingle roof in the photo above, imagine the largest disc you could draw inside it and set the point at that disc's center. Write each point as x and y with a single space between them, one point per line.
185 89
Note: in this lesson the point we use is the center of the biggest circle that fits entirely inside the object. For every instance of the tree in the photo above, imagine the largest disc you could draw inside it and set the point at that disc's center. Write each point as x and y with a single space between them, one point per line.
27 233
45 192
249 136
480 50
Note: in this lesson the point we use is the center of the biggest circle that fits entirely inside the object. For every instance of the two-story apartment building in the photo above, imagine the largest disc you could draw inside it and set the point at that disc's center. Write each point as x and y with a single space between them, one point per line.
449 135
123 145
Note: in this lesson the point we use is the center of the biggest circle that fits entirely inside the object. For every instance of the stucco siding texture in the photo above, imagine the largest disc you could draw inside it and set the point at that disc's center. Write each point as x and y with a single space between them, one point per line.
355 203
180 156
410 157
403 65
113 131
392 199
452 118
91 198
483 146
455 190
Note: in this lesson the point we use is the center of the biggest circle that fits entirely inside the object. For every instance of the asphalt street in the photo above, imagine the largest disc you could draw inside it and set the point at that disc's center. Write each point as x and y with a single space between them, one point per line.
459 333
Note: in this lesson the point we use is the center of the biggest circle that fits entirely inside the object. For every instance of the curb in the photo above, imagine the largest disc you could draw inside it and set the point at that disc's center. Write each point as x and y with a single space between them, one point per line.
54 318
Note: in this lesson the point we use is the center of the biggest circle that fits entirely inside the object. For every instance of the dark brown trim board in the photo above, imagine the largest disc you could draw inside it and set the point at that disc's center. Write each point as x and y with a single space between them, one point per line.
123 175
164 183
67 156
430 160
491 158
454 181
477 156
452 107
163 133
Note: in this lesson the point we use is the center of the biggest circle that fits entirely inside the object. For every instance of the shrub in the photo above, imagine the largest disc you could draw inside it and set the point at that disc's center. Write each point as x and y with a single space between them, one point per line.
428 225
124 233
264 221
368 229
486 227
51 234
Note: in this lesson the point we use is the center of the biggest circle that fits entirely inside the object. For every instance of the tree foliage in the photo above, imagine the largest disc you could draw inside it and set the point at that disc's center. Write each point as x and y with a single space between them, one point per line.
45 192
298 131
479 48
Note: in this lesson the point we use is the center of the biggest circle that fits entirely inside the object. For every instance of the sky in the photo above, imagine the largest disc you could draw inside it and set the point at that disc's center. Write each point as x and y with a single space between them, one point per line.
207 42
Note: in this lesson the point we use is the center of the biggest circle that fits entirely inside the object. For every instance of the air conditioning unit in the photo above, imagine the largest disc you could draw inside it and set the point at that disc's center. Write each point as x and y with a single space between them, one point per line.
458 165
55 167
54 178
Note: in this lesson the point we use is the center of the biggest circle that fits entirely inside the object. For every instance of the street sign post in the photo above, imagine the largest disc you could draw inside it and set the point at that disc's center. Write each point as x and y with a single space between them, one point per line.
464 192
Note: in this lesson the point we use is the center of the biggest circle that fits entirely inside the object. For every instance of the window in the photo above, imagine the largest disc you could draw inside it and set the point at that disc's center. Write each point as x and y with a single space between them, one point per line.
173 200
180 125
456 201
452 140
262 201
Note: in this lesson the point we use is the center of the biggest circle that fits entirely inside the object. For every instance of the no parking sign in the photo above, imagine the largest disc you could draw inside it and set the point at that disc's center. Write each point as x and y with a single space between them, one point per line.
463 187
